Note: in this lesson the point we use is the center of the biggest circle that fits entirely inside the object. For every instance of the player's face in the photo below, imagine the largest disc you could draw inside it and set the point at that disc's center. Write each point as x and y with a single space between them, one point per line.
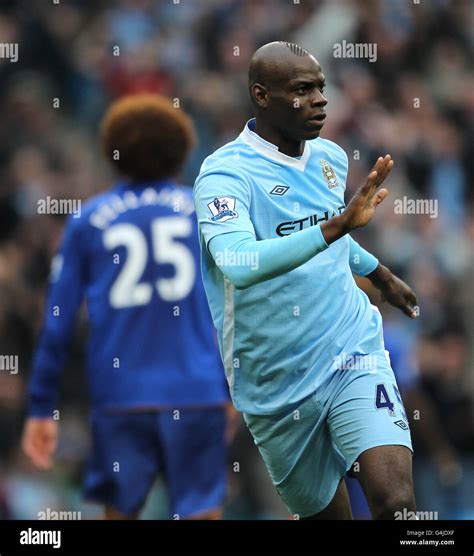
296 104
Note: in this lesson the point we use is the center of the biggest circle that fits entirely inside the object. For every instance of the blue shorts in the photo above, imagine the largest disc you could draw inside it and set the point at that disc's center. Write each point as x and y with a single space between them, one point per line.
129 451
308 448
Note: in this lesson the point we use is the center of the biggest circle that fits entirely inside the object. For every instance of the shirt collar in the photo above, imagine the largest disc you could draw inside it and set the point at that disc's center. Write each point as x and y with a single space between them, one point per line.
269 150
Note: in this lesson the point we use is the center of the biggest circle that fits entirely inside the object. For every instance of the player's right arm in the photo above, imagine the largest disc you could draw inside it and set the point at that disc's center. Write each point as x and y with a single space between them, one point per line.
231 239
64 297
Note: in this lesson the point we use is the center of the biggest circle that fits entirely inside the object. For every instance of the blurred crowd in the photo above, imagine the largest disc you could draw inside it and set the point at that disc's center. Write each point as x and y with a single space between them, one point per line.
416 102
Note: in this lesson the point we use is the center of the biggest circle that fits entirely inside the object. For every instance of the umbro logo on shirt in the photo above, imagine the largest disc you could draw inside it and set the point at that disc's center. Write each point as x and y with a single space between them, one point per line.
279 190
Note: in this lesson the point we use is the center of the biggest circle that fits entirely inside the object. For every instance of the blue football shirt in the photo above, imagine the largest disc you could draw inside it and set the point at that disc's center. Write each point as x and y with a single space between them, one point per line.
279 339
133 256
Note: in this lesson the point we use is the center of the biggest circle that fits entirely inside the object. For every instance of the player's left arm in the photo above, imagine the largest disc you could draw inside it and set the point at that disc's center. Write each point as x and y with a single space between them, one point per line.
393 289
361 261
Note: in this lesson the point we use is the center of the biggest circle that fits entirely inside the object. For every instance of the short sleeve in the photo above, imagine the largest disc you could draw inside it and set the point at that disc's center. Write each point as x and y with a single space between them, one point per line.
222 200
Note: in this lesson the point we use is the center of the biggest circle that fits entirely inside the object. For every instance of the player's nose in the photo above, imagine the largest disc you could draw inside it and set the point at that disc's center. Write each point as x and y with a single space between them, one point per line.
318 99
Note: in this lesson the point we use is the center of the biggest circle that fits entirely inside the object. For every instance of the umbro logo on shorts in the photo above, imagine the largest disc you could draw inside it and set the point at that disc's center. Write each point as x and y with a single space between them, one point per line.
401 424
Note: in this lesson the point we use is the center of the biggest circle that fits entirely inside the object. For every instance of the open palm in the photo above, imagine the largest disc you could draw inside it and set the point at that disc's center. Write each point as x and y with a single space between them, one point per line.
361 207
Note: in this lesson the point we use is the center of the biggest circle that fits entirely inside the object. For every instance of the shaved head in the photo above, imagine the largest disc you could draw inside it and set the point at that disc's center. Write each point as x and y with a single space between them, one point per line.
286 86
273 61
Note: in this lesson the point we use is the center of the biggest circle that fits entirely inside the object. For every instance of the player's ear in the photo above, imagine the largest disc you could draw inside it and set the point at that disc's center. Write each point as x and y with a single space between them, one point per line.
260 95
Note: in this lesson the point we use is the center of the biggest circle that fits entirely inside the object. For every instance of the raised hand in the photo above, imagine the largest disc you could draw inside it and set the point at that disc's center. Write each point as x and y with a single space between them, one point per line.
361 207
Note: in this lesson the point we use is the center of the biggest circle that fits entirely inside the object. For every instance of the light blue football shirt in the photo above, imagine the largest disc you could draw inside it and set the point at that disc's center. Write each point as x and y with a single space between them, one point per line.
280 339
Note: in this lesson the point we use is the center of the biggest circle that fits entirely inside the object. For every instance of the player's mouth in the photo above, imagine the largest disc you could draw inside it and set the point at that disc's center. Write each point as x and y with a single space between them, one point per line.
317 120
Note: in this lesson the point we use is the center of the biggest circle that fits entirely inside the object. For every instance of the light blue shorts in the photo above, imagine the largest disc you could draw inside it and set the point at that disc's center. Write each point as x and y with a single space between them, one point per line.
308 448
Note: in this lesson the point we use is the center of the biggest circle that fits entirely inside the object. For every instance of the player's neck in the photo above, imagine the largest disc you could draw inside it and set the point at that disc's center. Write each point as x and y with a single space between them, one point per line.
285 145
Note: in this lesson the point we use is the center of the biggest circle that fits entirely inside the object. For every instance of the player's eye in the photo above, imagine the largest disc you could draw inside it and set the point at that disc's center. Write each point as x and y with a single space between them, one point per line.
322 87
302 90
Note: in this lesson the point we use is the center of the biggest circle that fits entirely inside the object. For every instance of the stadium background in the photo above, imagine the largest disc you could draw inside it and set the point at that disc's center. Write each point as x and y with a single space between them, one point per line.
187 50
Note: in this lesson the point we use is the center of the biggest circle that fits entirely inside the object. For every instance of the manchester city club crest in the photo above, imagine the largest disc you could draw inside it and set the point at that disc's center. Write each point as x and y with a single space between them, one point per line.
329 174
222 209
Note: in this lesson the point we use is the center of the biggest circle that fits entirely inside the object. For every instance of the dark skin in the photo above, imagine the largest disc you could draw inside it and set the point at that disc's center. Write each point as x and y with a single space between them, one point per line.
287 94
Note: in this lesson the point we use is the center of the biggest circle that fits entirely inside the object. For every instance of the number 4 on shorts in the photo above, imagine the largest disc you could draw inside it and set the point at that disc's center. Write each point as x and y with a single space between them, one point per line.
382 400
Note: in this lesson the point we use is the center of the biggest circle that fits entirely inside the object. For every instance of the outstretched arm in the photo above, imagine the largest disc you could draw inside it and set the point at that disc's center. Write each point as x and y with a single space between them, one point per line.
246 261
